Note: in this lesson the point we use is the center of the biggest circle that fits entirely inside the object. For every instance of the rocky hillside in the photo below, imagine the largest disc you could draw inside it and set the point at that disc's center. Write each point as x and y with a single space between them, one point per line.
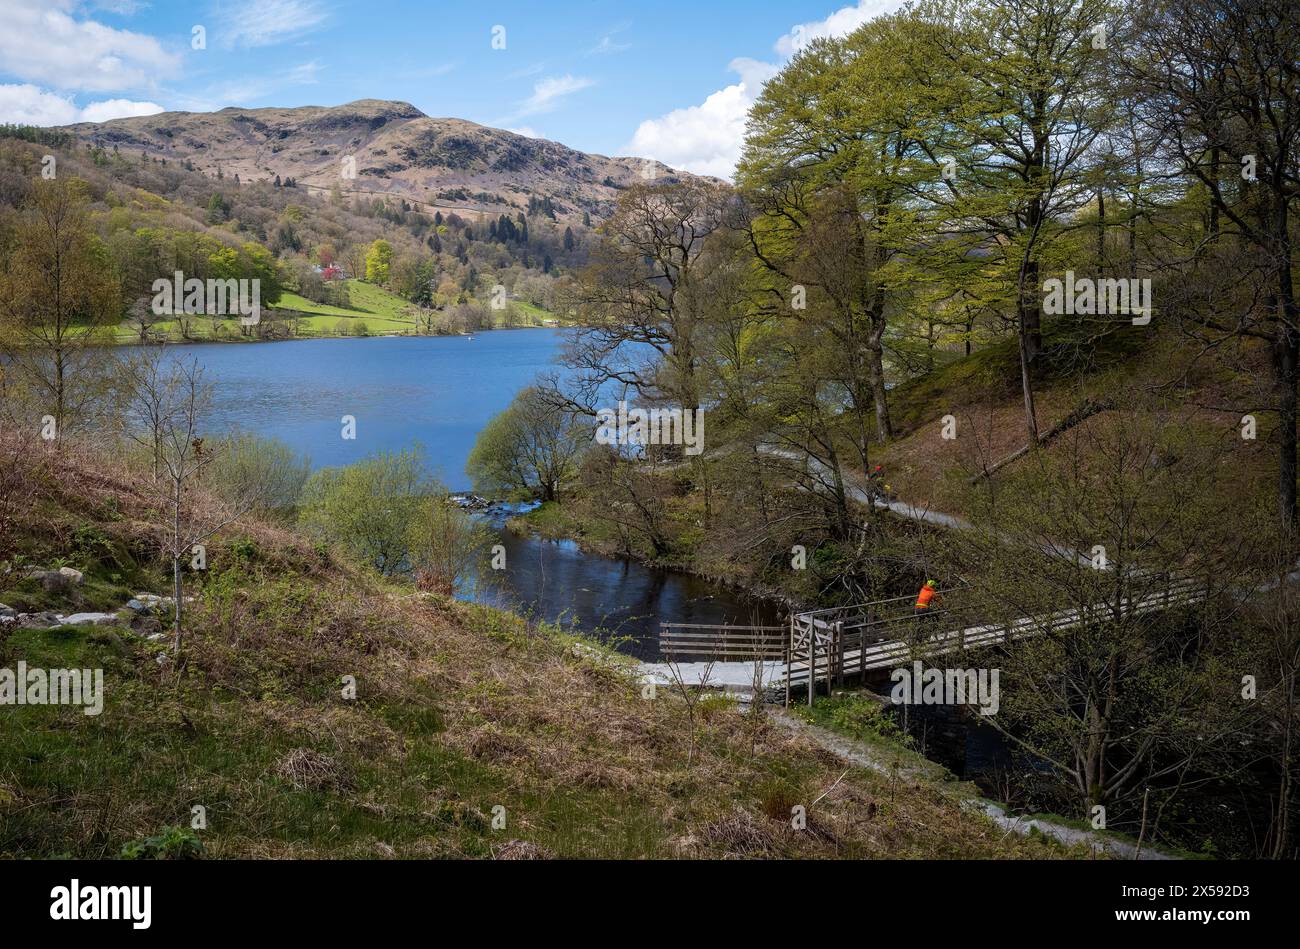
436 164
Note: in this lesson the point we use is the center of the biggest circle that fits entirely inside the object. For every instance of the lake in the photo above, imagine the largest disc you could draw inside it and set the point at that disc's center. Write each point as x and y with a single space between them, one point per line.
440 391
436 390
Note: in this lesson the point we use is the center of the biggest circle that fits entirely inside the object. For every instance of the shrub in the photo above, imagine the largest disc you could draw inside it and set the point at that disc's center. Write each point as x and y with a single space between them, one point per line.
264 470
368 508
173 843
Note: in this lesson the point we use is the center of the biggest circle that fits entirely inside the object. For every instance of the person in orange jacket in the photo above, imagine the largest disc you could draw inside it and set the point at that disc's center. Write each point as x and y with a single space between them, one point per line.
929 592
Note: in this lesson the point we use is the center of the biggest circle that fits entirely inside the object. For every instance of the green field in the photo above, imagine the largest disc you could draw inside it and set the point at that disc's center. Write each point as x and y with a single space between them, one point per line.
374 311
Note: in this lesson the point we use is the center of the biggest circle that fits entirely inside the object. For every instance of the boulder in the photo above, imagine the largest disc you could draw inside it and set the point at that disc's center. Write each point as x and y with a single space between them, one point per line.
51 580
72 576
89 619
56 581
8 613
43 620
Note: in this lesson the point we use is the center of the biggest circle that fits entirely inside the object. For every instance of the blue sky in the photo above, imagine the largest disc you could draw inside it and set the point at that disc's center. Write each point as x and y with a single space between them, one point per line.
669 80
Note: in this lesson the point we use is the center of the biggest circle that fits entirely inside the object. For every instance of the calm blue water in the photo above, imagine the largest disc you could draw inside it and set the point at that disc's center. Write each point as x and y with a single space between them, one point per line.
440 392
437 390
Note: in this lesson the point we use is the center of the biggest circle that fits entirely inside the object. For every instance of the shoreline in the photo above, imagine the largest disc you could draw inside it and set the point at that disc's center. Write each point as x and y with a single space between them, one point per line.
240 339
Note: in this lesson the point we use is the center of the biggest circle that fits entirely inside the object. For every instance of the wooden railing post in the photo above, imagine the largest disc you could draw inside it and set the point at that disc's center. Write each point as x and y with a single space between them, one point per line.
812 662
789 645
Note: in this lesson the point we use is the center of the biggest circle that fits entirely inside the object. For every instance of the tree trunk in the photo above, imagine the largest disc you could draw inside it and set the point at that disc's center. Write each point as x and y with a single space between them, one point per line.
1288 359
176 570
1288 356
876 373
1027 385
176 595
1031 318
1101 231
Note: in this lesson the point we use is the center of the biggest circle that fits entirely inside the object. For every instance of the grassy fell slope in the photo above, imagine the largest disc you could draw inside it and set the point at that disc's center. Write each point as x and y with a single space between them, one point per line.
459 709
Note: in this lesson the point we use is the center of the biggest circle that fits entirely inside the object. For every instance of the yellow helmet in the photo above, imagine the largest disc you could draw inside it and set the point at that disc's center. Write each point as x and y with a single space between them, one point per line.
931 584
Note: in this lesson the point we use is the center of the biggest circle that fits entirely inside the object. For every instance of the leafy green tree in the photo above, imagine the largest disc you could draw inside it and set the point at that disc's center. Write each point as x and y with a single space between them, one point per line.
379 259
218 209
529 449
366 508
1013 103
56 296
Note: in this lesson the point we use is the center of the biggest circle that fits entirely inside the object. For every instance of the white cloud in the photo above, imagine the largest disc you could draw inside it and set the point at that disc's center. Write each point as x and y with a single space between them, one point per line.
122 8
253 23
527 131
527 71
707 138
840 23
608 44
26 104
117 109
42 42
304 74
548 92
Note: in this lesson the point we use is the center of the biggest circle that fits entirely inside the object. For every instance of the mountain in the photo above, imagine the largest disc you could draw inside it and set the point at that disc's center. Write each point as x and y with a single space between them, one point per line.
434 163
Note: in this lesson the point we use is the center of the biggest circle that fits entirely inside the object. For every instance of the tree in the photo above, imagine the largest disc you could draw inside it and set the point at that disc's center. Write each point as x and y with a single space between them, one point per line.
56 296
218 208
141 317
171 399
366 508
1128 696
1013 105
639 294
1222 74
830 158
531 448
378 260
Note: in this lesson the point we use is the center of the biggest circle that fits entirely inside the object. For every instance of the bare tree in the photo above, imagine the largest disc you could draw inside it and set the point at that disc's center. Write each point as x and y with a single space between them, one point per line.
177 401
640 293
1225 75
151 380
1122 680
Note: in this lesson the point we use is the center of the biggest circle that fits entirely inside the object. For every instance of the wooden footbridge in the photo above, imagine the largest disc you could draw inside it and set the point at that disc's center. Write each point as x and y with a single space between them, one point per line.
833 645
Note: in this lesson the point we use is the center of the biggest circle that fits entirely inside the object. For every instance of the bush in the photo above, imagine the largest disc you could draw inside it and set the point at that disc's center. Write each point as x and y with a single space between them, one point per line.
445 544
174 843
265 471
855 716
372 509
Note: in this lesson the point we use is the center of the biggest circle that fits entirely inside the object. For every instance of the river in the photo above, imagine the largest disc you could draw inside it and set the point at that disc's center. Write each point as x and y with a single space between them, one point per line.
440 391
